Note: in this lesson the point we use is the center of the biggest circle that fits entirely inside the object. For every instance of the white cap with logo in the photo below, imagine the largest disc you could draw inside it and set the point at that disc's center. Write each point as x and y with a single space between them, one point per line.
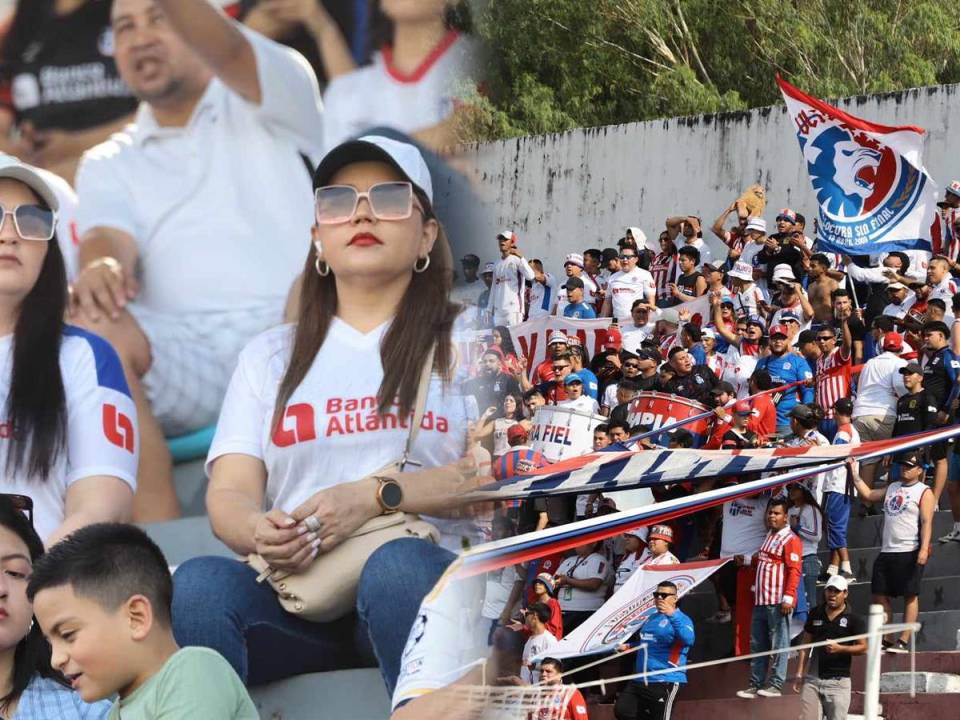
15 169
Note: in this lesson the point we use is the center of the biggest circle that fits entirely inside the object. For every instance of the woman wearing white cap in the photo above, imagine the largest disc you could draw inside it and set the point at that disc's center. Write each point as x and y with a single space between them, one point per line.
312 413
74 452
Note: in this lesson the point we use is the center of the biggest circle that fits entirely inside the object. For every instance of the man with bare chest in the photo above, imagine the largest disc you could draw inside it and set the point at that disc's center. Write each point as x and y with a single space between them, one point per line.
820 287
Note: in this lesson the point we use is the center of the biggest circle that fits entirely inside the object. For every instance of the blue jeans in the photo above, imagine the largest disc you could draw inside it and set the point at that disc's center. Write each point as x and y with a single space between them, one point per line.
769 630
218 604
811 569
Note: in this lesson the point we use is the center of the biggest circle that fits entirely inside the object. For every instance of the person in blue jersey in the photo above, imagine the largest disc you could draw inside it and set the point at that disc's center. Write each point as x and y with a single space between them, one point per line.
940 371
75 449
577 308
668 634
580 365
786 366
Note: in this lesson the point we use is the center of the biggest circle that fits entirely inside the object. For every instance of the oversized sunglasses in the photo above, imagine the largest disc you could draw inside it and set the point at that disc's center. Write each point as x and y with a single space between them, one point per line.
337 204
31 222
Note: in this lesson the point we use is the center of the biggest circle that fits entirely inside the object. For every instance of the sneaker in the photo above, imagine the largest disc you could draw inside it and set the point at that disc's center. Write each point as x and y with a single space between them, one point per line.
823 577
897 648
952 536
769 692
748 694
720 617
849 576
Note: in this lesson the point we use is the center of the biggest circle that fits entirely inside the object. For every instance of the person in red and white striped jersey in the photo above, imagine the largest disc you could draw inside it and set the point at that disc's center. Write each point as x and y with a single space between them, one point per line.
779 568
833 368
664 270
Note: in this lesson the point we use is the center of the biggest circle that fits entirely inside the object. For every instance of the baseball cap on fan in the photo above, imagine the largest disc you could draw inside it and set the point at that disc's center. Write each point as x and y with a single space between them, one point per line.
508 235
403 157
742 271
954 188
756 223
15 169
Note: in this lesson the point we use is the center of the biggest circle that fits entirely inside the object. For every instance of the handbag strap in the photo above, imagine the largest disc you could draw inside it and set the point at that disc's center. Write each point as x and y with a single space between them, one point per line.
418 410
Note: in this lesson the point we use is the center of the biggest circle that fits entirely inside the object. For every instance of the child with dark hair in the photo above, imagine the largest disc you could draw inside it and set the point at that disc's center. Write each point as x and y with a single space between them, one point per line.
103 598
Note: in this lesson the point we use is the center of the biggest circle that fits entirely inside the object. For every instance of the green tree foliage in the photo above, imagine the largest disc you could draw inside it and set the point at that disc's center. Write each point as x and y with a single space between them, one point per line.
561 64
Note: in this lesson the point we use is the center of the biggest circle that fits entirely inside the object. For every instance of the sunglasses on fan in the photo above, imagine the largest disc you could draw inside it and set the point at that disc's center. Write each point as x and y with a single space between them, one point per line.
337 204
31 222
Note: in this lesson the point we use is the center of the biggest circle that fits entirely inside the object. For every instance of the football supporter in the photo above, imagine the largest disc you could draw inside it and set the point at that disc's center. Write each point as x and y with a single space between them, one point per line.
737 435
579 365
642 325
411 83
689 380
942 283
804 420
288 440
748 298
520 458
76 443
743 348
576 400
785 367
600 437
506 303
763 421
636 553
507 415
565 703
689 228
820 287
62 91
908 508
33 688
543 292
668 635
806 520
492 385
825 691
832 369
540 641
690 283
664 269
941 370
573 267
103 599
626 287
579 581
778 573
467 289
836 499
163 202
743 531
576 308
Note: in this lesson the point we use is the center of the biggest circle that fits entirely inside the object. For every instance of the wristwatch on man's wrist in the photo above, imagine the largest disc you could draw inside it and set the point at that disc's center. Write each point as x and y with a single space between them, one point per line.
389 494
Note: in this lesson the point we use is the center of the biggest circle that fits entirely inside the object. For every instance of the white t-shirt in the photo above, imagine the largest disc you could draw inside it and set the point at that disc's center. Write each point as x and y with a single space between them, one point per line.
330 433
536 646
880 385
584 404
625 288
836 480
807 524
543 297
744 526
737 369
593 566
380 94
447 638
500 427
633 336
220 209
102 436
748 300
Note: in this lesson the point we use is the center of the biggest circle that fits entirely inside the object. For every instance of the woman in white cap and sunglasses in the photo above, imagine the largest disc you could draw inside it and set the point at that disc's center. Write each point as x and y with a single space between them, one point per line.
315 409
74 451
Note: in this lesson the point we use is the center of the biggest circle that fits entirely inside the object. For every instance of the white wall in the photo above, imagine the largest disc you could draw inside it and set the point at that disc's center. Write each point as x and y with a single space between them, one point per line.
582 188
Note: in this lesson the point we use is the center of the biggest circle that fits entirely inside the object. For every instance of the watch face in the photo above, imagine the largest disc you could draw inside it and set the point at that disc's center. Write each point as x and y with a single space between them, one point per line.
391 494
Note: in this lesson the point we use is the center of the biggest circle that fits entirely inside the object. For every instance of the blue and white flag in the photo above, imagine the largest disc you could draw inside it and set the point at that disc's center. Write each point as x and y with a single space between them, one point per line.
872 190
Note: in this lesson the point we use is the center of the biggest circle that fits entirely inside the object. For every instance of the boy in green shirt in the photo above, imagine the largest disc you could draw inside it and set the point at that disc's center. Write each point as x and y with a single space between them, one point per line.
102 597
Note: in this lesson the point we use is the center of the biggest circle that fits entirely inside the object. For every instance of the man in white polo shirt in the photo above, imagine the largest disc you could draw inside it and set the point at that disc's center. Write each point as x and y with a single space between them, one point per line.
195 220
625 287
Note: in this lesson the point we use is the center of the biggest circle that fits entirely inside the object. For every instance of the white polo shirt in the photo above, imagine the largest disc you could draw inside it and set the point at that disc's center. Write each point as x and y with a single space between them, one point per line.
625 288
220 209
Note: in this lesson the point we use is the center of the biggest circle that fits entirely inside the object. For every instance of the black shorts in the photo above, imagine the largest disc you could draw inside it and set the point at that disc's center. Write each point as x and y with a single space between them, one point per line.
896 574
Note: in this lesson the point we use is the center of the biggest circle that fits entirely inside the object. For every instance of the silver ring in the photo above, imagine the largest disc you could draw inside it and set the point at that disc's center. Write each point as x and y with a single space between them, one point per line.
312 523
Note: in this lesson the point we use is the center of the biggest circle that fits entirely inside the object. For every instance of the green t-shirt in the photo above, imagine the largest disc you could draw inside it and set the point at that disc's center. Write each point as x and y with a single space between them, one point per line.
194 684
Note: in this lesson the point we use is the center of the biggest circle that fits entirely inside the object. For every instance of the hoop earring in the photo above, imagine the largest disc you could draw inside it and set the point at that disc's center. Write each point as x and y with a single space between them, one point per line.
426 264
325 270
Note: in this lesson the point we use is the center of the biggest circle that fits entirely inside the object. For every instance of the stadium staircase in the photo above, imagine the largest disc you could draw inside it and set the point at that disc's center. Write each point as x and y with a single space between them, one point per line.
711 691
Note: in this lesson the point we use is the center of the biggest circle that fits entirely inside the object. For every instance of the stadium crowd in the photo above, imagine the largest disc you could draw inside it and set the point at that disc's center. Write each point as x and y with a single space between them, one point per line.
790 346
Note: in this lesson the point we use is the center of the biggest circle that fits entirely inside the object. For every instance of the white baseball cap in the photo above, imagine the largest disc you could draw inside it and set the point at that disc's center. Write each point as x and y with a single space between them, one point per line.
640 531
783 272
406 158
742 271
756 223
574 258
507 235
954 188
558 336
838 582
15 169
488 268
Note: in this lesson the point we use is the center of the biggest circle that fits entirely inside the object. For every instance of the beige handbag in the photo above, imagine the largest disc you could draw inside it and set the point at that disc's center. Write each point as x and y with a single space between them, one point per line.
327 590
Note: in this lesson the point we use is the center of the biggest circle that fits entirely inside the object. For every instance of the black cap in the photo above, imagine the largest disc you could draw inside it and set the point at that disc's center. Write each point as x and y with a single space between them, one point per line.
470 259
801 412
609 254
911 368
910 459
936 326
844 406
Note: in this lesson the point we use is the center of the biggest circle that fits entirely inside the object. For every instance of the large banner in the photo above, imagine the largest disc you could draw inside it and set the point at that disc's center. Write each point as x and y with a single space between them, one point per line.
623 614
871 186
530 338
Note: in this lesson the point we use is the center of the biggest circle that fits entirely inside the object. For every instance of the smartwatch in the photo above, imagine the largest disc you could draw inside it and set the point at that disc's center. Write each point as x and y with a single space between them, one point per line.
389 494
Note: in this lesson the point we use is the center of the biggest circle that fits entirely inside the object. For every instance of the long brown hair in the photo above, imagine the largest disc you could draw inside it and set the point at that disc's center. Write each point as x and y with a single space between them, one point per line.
424 319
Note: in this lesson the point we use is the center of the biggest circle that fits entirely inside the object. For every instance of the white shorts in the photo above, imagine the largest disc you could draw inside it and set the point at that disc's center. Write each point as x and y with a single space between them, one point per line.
192 359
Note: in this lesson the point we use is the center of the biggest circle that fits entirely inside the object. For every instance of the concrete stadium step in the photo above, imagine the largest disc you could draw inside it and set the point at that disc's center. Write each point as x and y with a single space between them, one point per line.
339 695
944 560
922 682
936 593
868 531
186 538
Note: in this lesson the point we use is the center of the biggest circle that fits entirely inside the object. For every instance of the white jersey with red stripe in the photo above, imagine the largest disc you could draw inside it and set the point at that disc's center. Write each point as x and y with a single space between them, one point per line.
509 286
833 379
944 290
781 553
664 270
